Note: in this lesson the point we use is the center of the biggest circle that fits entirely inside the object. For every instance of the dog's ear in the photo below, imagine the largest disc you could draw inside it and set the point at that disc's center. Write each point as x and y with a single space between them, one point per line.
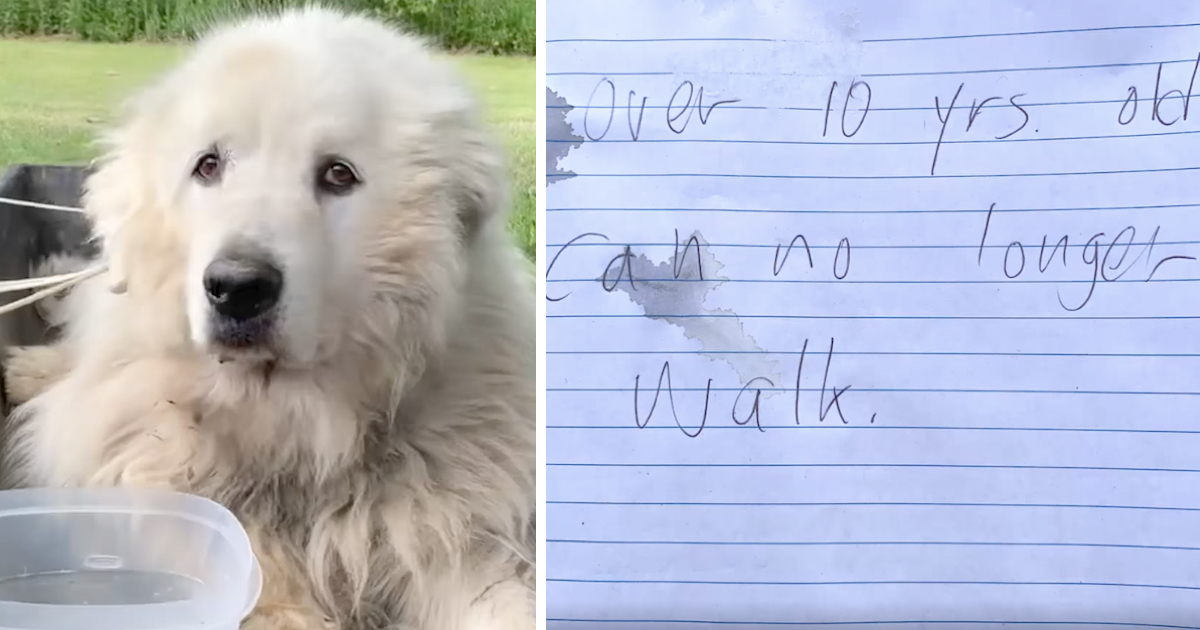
119 185
479 192
110 200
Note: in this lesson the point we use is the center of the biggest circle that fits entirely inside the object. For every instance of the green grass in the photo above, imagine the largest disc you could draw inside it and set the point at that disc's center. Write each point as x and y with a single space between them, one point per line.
494 26
55 96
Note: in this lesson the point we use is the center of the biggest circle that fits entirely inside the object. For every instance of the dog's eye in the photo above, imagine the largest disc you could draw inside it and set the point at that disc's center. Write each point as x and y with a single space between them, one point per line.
338 176
208 167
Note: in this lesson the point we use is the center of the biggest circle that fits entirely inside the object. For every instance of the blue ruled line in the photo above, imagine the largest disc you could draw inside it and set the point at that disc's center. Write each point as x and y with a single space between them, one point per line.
582 40
878 353
874 177
877 427
879 622
862 543
878 75
864 143
877 583
872 465
887 390
870 504
884 317
893 212
800 246
877 282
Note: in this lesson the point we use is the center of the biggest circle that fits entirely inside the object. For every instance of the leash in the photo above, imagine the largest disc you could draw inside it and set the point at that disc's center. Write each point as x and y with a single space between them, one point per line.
48 285
40 206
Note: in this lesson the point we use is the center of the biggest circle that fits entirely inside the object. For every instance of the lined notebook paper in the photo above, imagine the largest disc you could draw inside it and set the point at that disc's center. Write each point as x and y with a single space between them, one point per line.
875 313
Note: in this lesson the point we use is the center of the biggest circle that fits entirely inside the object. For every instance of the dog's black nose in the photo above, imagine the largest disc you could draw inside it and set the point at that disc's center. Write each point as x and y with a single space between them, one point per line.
242 287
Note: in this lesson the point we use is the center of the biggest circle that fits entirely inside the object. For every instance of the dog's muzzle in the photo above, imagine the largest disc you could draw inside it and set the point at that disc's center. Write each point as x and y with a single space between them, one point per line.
243 291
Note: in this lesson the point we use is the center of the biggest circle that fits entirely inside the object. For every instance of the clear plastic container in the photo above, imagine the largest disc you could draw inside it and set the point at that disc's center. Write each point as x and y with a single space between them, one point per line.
122 559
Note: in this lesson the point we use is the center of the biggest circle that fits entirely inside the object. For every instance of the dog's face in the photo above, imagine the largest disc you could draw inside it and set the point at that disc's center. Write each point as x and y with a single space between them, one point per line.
278 170
307 183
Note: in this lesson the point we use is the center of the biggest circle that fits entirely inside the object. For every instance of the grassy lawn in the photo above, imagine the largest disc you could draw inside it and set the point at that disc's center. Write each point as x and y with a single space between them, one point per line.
55 96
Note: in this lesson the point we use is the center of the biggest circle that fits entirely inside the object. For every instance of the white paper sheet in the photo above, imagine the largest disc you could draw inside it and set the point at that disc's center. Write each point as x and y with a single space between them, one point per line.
984 430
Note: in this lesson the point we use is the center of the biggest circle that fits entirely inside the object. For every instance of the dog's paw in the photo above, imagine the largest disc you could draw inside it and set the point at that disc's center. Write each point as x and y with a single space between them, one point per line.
31 370
285 618
506 605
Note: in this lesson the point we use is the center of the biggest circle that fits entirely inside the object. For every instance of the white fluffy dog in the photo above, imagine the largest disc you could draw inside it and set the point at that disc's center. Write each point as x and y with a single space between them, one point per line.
314 316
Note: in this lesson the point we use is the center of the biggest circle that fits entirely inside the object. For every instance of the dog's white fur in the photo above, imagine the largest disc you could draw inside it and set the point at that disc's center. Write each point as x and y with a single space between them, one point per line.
382 459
